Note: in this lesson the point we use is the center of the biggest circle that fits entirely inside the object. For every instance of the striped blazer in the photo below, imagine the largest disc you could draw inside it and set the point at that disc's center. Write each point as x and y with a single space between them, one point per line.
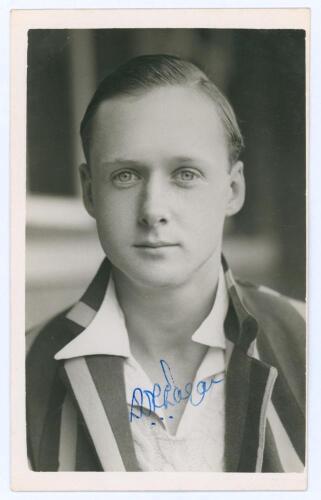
76 410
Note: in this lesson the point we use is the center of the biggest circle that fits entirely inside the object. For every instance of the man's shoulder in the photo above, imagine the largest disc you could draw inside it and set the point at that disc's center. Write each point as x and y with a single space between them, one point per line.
267 301
46 337
281 324
44 388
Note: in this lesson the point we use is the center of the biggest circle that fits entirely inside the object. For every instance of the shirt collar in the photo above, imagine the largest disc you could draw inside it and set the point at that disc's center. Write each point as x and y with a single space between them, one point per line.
105 331
211 331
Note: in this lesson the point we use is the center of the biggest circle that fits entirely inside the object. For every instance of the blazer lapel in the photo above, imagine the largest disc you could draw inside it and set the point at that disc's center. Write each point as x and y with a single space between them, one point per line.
98 388
108 376
249 385
236 404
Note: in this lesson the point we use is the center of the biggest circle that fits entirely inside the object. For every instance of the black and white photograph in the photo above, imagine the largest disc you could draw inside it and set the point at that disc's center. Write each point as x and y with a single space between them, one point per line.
165 250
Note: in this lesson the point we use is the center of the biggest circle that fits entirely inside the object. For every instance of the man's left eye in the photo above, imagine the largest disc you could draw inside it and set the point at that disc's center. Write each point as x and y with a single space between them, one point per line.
186 175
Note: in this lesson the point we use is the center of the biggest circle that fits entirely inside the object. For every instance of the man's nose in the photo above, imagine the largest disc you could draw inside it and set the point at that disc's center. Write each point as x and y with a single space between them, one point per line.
154 210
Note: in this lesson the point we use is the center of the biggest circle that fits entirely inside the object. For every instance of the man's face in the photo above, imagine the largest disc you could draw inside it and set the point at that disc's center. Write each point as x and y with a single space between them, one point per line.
160 184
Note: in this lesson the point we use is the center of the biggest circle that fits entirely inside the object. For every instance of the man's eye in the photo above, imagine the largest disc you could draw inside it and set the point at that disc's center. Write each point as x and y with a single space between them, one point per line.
124 178
186 175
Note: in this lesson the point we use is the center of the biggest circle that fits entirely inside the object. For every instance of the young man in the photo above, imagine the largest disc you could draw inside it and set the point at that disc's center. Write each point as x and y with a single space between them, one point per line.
166 363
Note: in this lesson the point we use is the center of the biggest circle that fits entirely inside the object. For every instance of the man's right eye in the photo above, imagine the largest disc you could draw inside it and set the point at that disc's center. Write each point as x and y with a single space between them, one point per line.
125 178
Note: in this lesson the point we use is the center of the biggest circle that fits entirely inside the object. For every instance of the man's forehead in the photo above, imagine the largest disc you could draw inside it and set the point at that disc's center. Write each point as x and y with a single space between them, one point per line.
169 122
180 102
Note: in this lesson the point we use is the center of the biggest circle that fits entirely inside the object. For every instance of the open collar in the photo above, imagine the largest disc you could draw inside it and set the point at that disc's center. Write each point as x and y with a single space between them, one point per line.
105 332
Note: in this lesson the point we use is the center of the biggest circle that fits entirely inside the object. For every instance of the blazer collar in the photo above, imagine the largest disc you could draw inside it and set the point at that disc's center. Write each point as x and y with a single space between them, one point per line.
242 329
241 326
98 337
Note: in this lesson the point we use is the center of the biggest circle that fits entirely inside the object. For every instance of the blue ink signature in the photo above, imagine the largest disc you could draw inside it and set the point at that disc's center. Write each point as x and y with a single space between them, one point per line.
144 402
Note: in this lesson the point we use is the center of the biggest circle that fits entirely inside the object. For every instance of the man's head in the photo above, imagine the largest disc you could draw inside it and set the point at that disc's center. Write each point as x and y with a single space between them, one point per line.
162 147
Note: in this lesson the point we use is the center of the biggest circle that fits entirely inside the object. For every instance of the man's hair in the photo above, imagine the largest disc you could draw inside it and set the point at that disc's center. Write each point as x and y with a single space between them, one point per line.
147 72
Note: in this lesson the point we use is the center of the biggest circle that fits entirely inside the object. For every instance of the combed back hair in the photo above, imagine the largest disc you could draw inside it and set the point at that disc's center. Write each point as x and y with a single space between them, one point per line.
147 72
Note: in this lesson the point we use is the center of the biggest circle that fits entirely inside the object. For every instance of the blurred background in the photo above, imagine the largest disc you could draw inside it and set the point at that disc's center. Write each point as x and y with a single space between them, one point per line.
262 72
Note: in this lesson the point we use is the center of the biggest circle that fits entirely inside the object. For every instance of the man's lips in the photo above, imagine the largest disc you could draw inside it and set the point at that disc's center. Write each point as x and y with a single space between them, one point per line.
155 244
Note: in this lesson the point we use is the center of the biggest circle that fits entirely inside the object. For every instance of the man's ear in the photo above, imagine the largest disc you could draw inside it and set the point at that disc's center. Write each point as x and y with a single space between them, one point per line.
237 189
86 184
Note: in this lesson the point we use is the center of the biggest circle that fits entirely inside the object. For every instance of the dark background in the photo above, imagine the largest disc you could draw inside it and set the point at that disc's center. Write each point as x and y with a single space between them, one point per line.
262 72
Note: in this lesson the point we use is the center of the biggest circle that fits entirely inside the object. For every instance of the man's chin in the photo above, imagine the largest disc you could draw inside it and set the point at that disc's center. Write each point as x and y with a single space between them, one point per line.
161 279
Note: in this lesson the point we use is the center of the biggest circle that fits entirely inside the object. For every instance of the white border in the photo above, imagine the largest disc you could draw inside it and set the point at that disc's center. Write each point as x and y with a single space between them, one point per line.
315 206
160 18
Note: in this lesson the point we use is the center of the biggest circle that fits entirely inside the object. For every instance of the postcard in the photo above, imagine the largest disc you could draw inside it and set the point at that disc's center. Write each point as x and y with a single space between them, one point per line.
158 182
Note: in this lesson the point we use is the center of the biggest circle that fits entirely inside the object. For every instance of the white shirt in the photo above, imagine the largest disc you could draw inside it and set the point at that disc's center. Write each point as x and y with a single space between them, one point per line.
198 444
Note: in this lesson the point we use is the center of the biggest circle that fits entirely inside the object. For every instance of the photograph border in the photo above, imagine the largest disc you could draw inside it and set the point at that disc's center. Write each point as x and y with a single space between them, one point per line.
22 478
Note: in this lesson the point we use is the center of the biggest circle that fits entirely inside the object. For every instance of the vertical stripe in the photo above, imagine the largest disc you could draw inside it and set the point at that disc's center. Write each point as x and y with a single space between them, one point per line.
49 442
236 404
259 375
262 426
86 456
284 447
108 376
68 436
94 414
271 459
288 395
282 344
289 458
44 395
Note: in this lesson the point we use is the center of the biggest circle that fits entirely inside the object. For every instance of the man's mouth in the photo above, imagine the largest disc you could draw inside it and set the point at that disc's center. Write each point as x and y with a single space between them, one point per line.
155 244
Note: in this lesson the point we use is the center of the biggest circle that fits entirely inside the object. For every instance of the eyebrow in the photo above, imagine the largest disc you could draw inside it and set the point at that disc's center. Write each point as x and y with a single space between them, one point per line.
189 160
121 161
131 163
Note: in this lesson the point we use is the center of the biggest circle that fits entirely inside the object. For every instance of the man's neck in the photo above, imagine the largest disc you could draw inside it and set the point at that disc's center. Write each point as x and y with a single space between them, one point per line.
162 320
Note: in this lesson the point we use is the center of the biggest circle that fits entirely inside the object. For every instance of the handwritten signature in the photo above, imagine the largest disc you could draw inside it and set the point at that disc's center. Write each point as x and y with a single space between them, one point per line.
144 401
